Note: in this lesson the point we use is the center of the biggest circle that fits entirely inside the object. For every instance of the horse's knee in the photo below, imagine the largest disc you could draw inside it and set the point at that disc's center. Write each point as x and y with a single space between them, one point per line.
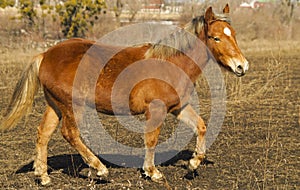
151 141
201 128
200 146
151 138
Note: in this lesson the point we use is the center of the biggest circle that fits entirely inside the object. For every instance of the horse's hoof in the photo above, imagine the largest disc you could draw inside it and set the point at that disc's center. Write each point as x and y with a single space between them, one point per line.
103 173
45 180
154 174
157 177
195 162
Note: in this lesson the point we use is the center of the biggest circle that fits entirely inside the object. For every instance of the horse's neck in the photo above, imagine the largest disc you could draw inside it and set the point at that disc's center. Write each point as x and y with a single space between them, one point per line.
193 61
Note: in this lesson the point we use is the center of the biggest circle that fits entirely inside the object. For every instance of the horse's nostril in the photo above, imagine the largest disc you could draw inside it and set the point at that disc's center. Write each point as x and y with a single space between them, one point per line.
239 68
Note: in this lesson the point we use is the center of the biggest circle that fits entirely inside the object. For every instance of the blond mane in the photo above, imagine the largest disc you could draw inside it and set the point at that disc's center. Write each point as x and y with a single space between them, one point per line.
181 40
178 41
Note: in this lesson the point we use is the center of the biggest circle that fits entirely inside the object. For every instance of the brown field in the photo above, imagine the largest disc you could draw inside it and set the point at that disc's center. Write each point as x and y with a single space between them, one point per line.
257 148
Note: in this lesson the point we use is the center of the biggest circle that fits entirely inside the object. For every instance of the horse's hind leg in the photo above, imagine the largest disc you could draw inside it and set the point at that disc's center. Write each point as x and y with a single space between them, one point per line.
192 119
46 128
71 133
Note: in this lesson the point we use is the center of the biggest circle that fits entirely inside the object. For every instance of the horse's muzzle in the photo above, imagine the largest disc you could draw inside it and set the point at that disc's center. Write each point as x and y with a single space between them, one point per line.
239 71
240 68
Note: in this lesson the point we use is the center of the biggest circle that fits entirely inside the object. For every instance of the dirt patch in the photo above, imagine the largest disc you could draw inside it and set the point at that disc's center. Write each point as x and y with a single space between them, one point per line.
257 148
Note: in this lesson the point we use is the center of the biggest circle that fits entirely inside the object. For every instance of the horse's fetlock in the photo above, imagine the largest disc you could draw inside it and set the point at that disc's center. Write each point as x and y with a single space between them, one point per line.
39 168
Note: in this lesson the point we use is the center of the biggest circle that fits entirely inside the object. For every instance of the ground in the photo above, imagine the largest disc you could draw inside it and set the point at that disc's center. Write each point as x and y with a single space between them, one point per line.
257 147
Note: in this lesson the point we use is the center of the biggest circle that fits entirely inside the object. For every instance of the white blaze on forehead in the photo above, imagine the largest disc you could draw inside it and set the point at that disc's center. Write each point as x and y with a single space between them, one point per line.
227 31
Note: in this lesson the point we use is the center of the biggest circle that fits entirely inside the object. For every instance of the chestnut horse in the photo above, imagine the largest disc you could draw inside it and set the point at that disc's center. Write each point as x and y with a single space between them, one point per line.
55 70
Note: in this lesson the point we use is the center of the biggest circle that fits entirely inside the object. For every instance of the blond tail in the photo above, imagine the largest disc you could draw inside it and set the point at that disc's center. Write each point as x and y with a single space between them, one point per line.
23 96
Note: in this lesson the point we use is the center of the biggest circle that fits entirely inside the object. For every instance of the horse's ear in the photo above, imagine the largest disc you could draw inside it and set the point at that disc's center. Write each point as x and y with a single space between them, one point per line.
209 15
226 9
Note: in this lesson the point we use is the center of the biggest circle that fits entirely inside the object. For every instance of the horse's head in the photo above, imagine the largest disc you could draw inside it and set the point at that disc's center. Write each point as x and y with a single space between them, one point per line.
220 39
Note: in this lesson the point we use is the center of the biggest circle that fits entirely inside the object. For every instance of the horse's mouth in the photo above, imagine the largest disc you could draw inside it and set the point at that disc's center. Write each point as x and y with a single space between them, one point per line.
239 73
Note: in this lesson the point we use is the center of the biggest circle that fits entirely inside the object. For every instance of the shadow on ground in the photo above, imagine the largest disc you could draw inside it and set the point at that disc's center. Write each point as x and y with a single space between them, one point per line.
73 164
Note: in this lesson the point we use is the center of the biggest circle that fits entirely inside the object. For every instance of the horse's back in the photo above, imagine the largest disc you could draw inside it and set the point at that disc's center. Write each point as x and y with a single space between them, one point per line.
87 64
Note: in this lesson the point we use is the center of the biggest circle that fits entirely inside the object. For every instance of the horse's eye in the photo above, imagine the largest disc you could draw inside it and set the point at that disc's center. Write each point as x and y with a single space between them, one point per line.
214 38
217 39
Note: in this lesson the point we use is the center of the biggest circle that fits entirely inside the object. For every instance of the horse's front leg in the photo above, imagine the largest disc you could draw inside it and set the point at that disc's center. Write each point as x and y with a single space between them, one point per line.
155 116
151 139
192 119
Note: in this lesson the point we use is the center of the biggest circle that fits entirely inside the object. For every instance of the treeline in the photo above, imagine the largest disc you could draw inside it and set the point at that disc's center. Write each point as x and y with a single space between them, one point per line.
74 16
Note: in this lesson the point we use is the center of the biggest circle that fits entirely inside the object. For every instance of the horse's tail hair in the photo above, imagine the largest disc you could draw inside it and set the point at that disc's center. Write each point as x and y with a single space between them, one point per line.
23 96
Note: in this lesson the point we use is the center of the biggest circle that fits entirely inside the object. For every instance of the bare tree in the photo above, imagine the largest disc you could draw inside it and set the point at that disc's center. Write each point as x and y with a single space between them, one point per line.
285 9
117 7
289 6
134 6
121 6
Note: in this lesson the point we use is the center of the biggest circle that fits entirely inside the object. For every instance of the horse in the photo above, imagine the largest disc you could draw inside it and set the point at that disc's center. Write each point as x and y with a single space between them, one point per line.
55 71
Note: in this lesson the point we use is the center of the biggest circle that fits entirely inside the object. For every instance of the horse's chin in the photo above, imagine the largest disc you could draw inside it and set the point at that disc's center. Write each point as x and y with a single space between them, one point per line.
239 74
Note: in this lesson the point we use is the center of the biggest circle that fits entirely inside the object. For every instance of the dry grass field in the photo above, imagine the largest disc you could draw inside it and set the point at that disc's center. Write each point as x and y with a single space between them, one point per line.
258 146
